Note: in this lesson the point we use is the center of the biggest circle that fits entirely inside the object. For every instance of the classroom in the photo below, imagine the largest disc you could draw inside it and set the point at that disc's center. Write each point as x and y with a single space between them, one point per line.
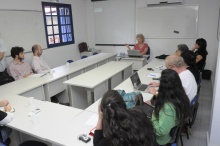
108 27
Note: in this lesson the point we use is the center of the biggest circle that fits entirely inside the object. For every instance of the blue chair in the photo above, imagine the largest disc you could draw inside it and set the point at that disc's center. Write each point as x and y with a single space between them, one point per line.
95 53
148 53
84 57
69 61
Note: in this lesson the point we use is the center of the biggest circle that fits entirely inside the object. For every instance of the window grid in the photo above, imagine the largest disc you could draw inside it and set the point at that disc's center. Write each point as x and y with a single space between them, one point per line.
58 24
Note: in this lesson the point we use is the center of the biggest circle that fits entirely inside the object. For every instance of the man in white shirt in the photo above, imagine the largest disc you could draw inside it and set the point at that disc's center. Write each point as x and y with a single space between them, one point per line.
38 64
177 64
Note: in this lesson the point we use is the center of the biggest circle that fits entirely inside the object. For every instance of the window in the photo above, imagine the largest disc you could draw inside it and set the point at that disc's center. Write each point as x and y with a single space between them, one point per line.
58 24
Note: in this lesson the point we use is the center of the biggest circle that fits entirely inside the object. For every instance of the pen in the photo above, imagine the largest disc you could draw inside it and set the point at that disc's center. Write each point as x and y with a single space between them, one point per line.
43 75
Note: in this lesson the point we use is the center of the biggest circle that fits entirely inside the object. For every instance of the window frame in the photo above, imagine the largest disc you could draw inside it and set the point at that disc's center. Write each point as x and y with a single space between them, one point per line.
58 6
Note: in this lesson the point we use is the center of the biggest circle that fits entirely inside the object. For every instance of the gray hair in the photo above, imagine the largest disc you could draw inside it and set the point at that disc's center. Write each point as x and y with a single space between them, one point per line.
34 48
141 36
182 48
175 60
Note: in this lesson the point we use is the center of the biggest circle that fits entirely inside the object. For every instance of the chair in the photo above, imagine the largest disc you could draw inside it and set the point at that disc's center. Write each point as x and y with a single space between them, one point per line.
148 53
175 134
82 57
95 53
32 143
69 61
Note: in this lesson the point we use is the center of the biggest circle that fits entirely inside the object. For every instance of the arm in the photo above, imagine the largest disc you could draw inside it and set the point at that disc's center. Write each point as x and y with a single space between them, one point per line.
7 119
36 67
145 51
12 72
198 58
193 49
165 122
4 103
128 47
1 55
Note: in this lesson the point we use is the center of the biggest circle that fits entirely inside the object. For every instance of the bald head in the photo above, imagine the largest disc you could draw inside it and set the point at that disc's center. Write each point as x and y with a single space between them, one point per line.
174 61
37 50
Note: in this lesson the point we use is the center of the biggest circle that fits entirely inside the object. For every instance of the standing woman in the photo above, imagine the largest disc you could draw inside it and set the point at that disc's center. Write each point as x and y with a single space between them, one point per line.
201 53
119 126
141 46
171 106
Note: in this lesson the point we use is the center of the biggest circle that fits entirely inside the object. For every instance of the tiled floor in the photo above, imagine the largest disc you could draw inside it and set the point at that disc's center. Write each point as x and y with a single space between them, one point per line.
201 125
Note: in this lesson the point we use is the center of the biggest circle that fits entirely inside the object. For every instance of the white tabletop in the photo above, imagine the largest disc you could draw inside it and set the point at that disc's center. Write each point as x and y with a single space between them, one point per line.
67 133
98 75
133 58
127 84
27 84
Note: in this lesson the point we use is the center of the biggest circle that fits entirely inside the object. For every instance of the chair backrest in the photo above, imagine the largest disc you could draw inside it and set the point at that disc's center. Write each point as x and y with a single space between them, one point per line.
32 143
83 47
69 61
195 99
82 57
148 53
175 134
95 53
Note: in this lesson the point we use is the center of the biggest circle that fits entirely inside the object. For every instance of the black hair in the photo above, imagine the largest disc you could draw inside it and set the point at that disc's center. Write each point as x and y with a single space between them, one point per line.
202 44
123 127
16 50
172 91
189 58
182 47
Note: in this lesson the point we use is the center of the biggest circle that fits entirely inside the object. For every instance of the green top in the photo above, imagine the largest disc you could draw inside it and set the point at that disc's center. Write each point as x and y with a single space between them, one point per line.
164 123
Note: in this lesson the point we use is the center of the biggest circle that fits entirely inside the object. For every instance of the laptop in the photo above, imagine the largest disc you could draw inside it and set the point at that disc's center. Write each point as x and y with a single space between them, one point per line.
134 53
148 109
137 82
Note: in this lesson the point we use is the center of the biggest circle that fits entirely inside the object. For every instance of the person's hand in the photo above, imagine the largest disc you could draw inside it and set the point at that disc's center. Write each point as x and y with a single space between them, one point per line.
152 91
99 123
8 108
154 84
4 103
148 102
28 75
100 112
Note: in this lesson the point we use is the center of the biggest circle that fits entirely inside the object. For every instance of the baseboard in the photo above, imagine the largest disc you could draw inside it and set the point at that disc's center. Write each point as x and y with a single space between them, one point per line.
208 140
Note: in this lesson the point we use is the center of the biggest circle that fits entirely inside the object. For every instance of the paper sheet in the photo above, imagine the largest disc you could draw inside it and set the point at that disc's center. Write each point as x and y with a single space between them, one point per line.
92 120
153 75
161 67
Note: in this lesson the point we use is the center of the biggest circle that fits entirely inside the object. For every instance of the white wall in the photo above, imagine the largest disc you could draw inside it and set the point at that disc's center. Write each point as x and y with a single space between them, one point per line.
207 28
59 55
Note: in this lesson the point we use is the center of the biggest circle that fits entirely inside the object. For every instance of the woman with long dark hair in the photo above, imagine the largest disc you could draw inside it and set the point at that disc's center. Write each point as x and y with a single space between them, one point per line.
190 60
200 50
119 126
171 106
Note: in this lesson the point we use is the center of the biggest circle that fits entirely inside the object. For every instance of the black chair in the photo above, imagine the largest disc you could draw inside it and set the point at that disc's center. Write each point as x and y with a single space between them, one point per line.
32 143
84 57
69 61
95 53
148 53
175 134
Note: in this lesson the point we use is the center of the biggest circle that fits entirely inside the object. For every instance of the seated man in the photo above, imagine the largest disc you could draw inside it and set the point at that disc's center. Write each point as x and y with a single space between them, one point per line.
17 68
177 64
38 64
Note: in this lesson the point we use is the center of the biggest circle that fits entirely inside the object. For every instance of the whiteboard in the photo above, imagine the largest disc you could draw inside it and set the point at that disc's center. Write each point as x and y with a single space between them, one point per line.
22 28
168 21
114 22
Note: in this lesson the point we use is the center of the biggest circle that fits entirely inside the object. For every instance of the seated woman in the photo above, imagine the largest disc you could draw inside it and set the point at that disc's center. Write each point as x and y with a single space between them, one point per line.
118 126
190 59
201 53
171 106
181 48
141 46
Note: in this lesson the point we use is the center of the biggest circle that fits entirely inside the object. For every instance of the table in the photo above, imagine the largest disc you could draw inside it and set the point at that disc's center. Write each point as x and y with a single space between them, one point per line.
138 62
43 88
127 84
94 83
